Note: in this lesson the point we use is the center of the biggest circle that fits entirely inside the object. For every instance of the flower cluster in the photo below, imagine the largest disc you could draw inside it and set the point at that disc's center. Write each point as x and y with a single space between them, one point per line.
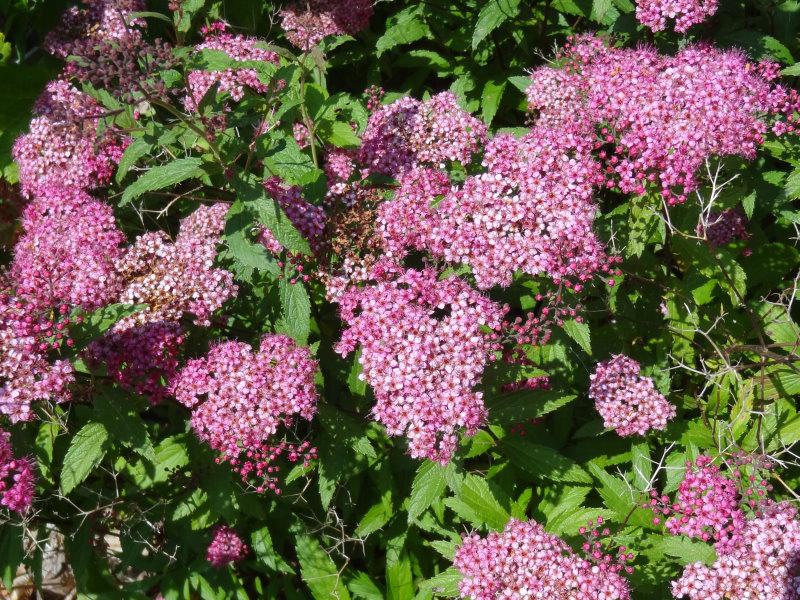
724 227
17 477
656 119
239 399
763 562
69 251
62 145
178 277
99 21
706 506
307 22
628 402
524 561
409 133
308 219
654 13
232 81
424 345
226 547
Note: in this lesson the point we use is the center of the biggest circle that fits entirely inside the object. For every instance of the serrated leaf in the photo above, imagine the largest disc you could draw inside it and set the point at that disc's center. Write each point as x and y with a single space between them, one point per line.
85 452
319 571
136 150
687 550
362 586
402 28
543 461
162 177
478 497
96 323
580 333
444 584
246 252
428 486
266 553
491 97
525 404
118 414
295 318
493 14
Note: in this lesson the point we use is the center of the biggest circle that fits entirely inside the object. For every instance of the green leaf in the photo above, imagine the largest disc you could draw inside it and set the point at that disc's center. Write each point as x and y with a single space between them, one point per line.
85 452
615 493
793 185
340 135
525 404
402 28
428 486
779 326
444 584
295 319
580 333
96 323
478 497
163 176
686 550
266 553
362 586
136 150
319 571
493 14
247 254
399 579
117 412
11 553
490 99
543 461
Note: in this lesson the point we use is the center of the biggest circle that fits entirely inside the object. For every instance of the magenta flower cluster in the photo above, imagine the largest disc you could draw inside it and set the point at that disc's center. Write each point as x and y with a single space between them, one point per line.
707 505
239 399
656 119
424 345
307 22
17 477
62 145
724 227
685 13
226 547
762 562
524 561
409 133
233 81
628 402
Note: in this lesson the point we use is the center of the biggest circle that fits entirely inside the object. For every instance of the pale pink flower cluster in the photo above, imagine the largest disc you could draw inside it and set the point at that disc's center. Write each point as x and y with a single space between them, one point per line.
655 13
175 278
62 144
240 398
525 562
97 21
762 563
339 165
424 345
307 22
226 547
724 227
233 81
409 133
531 211
628 402
307 218
17 477
659 118
69 250
707 505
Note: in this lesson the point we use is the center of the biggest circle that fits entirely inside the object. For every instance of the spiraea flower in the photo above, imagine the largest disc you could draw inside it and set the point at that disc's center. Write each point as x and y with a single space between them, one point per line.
307 22
63 145
226 547
763 562
628 402
524 561
233 81
17 477
240 399
724 227
424 345
656 13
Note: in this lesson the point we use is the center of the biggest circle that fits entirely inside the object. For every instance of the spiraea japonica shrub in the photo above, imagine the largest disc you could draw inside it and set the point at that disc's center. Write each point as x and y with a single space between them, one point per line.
326 299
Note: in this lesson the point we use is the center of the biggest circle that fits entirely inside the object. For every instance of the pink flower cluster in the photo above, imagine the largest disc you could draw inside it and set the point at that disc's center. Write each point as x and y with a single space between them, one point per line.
524 561
17 477
656 119
226 547
409 133
307 22
424 345
178 277
307 218
62 145
69 251
233 81
239 399
707 505
724 227
99 21
762 562
628 402
654 13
